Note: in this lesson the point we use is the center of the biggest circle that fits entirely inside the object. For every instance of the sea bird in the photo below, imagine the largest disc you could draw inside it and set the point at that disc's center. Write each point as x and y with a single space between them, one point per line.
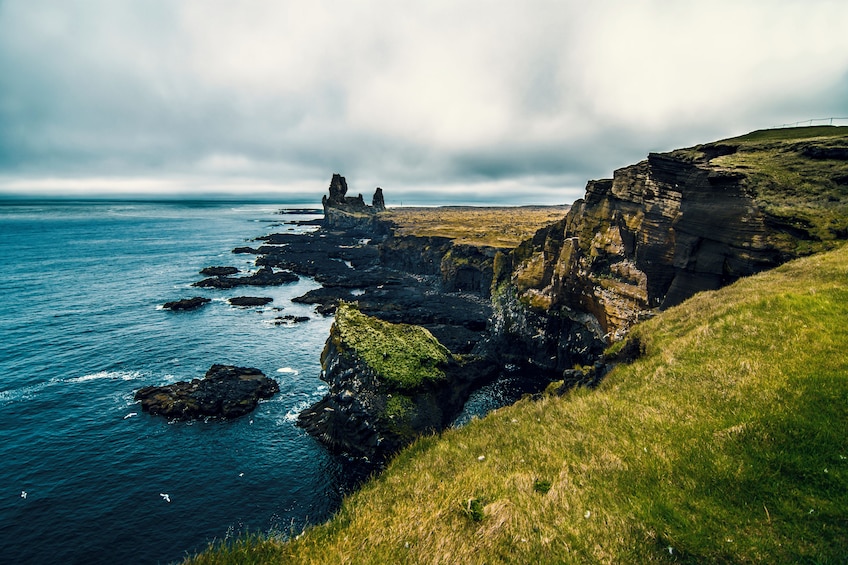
165 496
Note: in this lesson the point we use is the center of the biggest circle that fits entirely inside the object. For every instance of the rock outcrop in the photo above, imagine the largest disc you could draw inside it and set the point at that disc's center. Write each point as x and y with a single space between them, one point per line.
248 301
652 236
265 276
186 303
377 201
388 383
350 212
218 271
225 392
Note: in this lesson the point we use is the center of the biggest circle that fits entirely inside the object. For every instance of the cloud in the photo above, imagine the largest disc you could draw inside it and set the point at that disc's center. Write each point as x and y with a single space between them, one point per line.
466 99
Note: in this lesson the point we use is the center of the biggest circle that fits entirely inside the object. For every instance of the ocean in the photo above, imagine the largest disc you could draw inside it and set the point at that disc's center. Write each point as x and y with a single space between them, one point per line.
82 468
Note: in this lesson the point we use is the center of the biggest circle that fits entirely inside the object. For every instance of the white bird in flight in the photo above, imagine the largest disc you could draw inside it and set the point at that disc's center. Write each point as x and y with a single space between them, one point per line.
165 496
23 494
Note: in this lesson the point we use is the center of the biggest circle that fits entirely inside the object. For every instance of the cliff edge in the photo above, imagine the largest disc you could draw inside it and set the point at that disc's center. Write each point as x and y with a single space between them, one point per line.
663 230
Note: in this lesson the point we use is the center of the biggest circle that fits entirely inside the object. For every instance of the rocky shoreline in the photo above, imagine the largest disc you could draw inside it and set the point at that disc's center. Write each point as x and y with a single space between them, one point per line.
547 309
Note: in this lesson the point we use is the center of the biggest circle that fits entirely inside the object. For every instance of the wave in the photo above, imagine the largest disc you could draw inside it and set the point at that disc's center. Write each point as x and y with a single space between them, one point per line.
288 370
28 392
106 375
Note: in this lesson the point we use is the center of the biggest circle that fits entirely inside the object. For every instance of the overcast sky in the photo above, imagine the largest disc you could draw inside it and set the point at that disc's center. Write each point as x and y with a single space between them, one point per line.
515 101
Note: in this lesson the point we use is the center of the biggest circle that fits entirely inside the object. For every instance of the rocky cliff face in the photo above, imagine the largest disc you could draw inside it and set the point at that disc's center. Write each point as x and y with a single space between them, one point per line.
652 236
388 383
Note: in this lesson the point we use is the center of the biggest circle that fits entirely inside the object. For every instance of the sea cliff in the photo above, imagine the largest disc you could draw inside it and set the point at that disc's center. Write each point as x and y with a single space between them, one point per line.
719 438
662 230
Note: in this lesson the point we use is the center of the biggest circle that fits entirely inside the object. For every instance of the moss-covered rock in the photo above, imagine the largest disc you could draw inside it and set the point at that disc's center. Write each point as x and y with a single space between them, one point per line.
388 383
402 356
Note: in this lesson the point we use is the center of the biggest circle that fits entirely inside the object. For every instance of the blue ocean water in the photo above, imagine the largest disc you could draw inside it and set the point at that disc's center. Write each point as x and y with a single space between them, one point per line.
81 328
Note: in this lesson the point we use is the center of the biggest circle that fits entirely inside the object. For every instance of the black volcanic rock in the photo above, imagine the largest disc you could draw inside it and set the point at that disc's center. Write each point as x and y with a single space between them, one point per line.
289 319
225 392
378 203
245 250
218 271
263 277
250 300
186 303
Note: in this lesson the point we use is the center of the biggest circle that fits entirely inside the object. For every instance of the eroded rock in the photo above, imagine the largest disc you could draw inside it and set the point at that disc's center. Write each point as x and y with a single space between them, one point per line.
225 392
186 303
247 301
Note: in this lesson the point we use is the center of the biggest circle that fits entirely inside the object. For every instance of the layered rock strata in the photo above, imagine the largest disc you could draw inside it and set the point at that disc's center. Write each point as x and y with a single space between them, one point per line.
650 237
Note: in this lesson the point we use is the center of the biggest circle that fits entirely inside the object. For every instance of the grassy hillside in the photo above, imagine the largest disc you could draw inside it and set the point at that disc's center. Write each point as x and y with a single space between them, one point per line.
726 442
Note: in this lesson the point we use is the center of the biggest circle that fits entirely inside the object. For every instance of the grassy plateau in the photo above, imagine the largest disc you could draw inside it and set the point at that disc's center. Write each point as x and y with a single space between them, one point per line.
726 442
797 175
503 227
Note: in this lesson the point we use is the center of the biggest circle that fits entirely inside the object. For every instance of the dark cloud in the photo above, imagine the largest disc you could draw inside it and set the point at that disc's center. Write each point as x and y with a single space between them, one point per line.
462 101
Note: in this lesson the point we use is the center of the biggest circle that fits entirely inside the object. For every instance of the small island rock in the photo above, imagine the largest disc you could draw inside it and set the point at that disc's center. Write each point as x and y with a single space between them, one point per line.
225 392
250 300
186 303
218 271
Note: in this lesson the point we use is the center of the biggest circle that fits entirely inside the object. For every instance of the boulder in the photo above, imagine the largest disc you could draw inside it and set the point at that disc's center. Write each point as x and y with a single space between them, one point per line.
225 392
289 319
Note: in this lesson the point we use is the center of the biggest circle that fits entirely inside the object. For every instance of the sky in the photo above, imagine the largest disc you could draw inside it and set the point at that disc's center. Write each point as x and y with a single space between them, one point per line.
437 102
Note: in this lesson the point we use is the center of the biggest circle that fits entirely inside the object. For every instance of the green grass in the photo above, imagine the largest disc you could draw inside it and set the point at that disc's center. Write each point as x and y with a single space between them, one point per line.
726 442
403 356
809 196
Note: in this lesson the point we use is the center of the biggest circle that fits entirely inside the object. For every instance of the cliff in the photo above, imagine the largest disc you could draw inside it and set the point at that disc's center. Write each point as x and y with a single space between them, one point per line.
388 384
663 230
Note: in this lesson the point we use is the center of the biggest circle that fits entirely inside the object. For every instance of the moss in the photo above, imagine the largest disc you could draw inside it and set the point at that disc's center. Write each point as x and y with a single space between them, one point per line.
403 356
398 415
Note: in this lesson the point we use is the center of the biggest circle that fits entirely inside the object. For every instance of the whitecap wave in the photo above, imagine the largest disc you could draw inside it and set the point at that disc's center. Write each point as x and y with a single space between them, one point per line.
28 392
288 370
294 411
106 375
